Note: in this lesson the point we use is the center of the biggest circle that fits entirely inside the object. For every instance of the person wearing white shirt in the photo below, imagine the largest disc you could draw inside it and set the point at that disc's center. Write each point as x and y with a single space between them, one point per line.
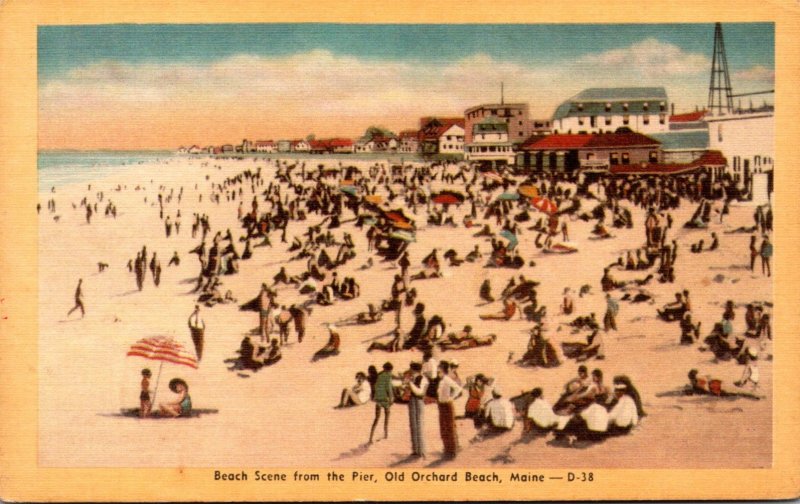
541 413
448 390
624 415
357 394
500 411
418 385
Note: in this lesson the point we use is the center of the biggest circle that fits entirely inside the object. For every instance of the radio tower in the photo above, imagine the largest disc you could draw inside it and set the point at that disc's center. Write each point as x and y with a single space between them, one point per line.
720 79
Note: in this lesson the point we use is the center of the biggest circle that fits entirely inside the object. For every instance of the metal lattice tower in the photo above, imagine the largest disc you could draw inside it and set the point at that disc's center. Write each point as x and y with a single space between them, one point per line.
720 78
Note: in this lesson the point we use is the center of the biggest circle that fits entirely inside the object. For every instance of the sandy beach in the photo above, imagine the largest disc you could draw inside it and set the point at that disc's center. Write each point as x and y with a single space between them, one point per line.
284 415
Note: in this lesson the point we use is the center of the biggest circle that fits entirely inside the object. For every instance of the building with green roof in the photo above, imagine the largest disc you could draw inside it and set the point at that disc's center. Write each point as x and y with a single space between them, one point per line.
599 110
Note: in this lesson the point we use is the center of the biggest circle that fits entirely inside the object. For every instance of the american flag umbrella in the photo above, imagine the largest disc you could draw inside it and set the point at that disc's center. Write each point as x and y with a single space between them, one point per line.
544 205
163 349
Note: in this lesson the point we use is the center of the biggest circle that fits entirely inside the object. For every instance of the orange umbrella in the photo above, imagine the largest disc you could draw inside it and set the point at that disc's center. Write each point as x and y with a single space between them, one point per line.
529 191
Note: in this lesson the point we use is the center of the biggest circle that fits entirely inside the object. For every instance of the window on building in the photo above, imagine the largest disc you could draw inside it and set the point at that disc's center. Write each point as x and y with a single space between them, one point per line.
653 156
626 119
520 133
646 119
608 107
645 106
593 121
719 133
614 158
662 118
662 106
625 107
580 121
608 120
520 123
626 158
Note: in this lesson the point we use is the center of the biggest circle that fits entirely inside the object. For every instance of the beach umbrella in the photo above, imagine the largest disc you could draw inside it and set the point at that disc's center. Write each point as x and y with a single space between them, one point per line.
508 196
511 237
163 349
448 198
529 191
375 199
403 235
402 225
398 215
544 205
493 176
349 189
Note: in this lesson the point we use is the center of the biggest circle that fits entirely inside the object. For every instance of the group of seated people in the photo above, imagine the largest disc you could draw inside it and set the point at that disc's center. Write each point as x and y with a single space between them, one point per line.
255 357
347 289
725 345
587 410
676 309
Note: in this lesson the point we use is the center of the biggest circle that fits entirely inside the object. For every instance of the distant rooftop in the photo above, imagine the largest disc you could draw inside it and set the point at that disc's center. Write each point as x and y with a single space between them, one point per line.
683 140
618 94
592 101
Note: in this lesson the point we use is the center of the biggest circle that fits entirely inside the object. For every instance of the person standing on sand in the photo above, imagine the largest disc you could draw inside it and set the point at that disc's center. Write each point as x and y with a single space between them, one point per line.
145 402
610 318
78 300
299 316
264 310
384 397
417 384
766 254
753 252
447 391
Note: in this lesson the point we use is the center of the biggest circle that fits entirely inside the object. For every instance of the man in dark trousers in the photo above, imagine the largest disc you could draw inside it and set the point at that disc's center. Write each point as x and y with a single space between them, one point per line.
78 300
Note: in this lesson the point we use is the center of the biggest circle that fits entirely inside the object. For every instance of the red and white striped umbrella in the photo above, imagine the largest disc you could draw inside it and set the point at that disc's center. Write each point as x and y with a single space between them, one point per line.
164 349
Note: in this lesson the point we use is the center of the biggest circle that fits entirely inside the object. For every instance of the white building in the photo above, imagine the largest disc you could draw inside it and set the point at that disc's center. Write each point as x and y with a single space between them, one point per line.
194 149
747 140
265 146
490 142
603 110
451 141
364 145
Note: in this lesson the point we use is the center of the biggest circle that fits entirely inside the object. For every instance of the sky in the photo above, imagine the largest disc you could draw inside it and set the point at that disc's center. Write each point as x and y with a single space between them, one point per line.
161 86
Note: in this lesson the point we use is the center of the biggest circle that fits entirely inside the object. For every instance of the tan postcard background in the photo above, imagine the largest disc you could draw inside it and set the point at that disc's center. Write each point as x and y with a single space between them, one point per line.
22 479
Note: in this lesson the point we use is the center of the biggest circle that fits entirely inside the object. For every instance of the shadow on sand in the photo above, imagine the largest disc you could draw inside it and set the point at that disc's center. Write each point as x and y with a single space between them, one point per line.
155 415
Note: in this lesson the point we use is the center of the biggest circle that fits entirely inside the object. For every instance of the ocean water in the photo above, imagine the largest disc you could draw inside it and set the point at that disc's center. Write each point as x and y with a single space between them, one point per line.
59 168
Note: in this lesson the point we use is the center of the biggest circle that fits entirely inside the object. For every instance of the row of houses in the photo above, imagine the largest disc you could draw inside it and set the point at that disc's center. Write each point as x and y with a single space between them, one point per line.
596 129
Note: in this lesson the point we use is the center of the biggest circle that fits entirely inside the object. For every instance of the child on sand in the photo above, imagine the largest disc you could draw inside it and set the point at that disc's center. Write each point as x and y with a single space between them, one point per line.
145 402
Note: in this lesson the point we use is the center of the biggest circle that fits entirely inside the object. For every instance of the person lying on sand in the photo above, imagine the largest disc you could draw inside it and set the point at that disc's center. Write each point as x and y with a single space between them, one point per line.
465 339
509 309
393 345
